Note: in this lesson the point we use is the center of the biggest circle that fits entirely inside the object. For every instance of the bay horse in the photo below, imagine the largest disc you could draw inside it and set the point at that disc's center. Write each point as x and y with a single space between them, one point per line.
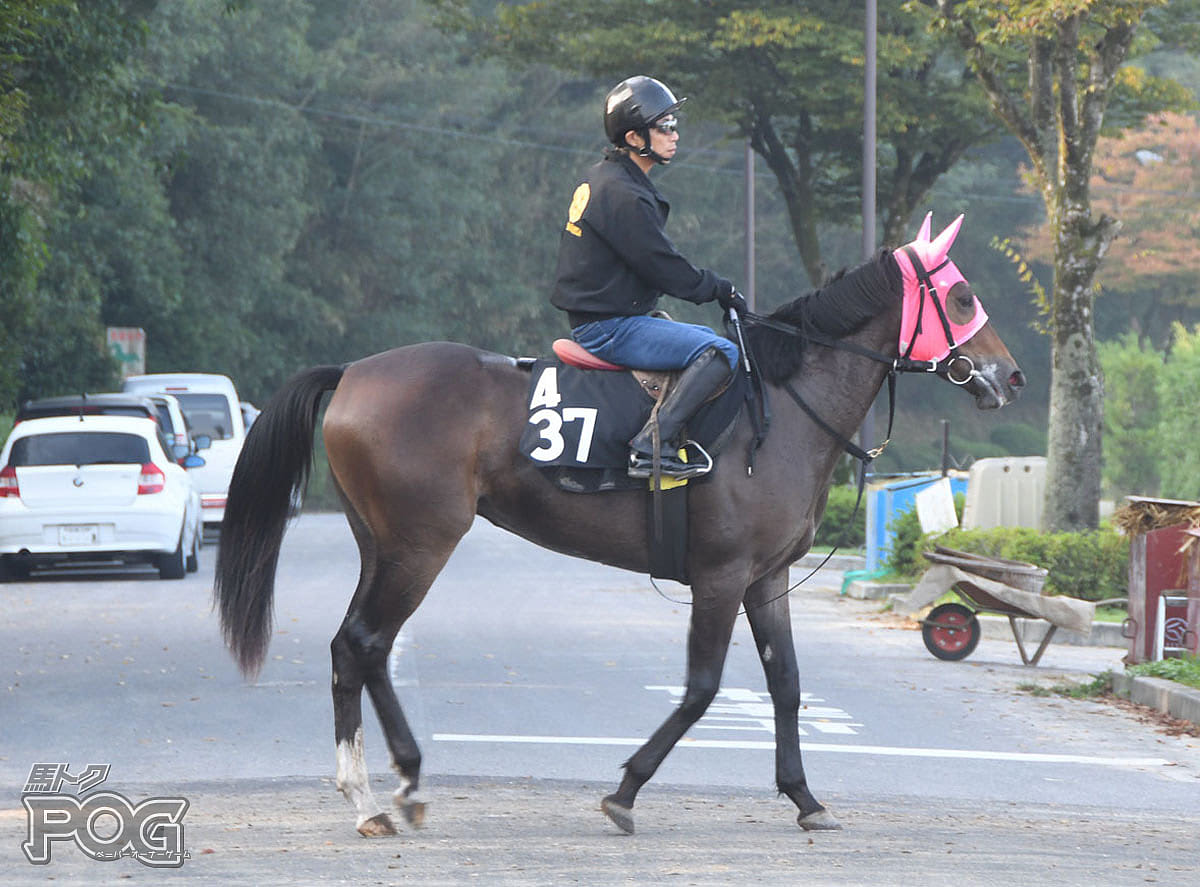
423 438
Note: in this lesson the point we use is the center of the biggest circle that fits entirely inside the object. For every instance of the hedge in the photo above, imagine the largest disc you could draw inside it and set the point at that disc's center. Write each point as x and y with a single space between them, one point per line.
1092 565
834 528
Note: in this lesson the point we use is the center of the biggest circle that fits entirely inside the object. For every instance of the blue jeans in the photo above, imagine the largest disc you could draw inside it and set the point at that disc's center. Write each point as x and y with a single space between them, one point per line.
651 343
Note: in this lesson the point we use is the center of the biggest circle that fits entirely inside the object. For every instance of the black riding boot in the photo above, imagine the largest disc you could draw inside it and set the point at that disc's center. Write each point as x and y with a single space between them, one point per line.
694 386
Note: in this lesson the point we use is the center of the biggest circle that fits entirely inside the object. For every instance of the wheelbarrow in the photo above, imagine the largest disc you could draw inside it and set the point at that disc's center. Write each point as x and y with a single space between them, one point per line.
1009 588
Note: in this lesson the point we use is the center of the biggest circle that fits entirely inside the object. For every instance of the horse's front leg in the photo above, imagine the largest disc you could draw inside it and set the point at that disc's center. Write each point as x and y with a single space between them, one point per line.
713 615
770 620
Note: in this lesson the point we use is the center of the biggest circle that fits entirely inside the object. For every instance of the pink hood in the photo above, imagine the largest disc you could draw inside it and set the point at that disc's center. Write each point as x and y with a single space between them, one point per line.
929 342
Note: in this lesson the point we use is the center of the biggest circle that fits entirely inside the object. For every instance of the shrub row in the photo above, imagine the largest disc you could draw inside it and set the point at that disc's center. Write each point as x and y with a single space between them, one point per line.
1092 565
835 528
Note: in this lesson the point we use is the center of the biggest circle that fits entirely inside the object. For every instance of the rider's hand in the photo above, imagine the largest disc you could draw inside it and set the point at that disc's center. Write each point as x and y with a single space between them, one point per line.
734 300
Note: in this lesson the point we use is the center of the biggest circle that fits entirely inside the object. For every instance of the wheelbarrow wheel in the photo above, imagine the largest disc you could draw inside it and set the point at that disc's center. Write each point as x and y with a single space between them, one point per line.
951 632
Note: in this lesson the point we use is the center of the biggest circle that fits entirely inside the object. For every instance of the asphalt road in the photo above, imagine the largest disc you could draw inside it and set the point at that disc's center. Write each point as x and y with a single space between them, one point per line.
528 678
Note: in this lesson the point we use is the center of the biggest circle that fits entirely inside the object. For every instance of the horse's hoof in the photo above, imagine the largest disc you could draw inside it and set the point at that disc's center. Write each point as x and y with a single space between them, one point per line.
621 815
818 821
378 826
413 810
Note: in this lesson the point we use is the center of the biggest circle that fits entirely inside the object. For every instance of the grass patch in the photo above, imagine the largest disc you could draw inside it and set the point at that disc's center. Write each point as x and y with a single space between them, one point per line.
1184 670
1101 685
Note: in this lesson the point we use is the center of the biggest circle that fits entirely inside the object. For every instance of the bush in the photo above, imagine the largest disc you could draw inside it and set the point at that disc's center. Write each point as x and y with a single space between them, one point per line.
904 559
835 526
1092 565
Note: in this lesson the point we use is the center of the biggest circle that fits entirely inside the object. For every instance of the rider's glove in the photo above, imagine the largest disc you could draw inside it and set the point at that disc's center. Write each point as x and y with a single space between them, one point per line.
733 299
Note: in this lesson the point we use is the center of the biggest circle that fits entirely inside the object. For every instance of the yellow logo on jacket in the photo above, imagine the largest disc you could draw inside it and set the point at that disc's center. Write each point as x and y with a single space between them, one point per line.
579 202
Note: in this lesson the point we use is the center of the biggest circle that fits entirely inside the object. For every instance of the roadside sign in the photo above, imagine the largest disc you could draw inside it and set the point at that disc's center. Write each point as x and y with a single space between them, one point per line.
128 345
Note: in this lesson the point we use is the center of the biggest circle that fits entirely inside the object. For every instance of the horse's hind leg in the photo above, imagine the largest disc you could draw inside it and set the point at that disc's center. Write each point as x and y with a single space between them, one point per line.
389 591
768 611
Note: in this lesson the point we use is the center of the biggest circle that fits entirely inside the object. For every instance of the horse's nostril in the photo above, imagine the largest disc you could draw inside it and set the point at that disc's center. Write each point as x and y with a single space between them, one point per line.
1017 380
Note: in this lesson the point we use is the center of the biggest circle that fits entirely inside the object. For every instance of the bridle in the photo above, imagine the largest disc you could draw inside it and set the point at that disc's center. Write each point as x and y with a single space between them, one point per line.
956 367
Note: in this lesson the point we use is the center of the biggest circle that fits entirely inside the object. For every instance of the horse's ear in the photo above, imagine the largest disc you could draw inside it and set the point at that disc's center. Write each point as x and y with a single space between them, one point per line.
941 246
923 234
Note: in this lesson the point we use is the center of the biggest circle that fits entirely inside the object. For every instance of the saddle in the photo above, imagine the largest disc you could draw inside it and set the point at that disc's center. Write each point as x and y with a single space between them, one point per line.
653 382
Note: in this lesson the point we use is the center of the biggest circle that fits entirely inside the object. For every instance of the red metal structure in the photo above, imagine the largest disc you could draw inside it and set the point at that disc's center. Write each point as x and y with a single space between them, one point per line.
1164 580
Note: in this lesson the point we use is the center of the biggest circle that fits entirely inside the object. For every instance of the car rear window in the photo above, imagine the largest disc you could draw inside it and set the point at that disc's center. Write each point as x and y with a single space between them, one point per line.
164 418
207 414
79 448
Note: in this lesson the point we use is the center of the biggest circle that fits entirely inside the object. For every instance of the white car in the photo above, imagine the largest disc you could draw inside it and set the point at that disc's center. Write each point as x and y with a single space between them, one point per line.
214 414
86 489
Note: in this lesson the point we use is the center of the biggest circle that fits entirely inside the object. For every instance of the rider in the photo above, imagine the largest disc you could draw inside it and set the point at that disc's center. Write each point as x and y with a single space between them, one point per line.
615 260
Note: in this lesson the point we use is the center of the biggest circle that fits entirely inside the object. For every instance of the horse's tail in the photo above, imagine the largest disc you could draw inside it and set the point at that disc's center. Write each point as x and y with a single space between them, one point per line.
271 474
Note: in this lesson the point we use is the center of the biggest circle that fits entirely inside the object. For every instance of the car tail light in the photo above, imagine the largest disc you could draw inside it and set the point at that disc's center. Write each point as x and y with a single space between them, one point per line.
151 479
8 482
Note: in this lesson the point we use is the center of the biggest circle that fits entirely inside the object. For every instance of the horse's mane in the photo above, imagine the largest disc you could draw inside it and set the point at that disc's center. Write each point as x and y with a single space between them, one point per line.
847 301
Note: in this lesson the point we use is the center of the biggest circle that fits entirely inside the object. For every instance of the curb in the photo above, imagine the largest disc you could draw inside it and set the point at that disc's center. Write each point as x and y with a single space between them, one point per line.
836 562
1165 696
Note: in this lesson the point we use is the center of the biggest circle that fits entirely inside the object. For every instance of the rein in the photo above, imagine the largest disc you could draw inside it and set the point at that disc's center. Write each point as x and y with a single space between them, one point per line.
902 364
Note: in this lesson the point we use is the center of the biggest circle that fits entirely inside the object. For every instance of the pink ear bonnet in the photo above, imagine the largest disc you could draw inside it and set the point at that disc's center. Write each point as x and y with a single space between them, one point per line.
924 322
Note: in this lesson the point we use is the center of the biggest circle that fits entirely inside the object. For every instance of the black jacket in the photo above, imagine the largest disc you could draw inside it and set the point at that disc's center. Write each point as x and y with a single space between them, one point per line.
615 258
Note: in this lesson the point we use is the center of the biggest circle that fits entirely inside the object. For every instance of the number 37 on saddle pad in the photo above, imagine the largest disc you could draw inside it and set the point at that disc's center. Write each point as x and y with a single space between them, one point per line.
585 418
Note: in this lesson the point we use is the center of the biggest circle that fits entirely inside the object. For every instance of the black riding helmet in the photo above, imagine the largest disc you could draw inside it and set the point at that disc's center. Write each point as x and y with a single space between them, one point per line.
635 103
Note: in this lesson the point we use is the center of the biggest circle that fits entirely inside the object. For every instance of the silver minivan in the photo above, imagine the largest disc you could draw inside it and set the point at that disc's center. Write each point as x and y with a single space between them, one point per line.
213 412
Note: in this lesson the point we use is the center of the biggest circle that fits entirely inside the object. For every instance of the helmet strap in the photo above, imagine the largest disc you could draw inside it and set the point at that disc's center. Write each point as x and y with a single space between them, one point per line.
646 150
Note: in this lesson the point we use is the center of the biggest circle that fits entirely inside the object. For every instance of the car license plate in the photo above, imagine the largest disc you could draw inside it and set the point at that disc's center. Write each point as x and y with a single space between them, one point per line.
78 534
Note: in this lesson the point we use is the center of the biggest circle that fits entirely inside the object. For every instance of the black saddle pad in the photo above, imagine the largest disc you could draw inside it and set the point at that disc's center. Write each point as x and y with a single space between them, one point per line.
582 421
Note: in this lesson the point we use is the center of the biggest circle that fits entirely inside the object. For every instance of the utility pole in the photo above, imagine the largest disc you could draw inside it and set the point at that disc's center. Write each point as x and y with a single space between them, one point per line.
867 432
748 280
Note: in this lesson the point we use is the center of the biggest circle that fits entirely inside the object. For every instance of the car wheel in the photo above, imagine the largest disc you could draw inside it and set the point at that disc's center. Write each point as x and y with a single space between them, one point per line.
193 558
173 565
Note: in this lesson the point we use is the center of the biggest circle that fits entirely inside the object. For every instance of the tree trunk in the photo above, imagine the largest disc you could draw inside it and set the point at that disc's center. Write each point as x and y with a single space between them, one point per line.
1076 413
1074 456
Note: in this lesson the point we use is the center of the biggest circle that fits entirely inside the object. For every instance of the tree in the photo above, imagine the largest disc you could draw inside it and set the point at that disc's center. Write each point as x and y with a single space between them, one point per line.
1132 416
1051 69
1146 177
1179 428
786 76
63 99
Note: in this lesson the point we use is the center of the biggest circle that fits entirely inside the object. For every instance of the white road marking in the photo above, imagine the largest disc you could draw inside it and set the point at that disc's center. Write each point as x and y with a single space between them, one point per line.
767 745
737 708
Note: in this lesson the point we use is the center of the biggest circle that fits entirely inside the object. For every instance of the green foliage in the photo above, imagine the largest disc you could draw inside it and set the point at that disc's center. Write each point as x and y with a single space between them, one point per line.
1179 427
1133 376
1184 669
904 559
78 104
752 67
1026 54
1101 685
1092 565
836 528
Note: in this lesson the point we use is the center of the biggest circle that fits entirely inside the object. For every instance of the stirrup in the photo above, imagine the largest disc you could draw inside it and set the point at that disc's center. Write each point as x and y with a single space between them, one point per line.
675 468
